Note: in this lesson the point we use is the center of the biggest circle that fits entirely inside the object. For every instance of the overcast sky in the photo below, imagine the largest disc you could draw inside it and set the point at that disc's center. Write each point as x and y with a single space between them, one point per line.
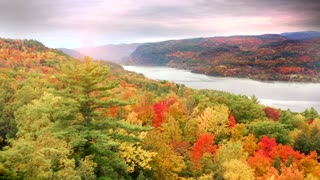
76 23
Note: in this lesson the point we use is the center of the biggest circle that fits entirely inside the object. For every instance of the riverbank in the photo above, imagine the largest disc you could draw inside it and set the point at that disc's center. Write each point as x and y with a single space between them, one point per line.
250 73
295 96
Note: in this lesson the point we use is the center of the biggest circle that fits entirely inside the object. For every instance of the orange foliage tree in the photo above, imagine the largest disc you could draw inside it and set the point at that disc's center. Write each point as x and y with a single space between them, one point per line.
261 160
204 144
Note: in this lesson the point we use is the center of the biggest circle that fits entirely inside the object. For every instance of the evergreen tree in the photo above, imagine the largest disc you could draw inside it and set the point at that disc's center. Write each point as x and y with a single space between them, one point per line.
88 85
89 92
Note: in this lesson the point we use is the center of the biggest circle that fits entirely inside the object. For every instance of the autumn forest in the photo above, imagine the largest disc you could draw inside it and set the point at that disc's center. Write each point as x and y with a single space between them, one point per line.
63 118
275 57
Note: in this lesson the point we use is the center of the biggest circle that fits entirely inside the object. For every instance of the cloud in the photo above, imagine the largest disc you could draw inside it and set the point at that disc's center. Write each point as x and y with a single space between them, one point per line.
108 21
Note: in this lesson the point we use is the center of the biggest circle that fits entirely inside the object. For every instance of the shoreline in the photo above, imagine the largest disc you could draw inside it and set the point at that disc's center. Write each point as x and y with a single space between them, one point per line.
252 77
238 77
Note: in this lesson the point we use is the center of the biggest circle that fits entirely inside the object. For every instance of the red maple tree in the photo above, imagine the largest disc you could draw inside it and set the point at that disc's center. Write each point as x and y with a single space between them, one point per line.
272 113
204 144
232 121
267 144
160 110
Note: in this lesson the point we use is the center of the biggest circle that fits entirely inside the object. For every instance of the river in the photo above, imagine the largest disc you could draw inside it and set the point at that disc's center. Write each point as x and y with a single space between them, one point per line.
284 95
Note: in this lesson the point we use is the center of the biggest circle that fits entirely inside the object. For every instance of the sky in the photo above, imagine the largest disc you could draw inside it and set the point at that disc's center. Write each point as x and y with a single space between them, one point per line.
80 23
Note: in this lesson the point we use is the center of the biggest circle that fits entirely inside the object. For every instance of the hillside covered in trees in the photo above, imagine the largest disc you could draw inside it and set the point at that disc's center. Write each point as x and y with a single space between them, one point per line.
62 118
285 57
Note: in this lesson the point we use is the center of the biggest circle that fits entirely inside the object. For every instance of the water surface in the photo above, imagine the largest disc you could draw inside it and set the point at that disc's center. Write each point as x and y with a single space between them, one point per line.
284 95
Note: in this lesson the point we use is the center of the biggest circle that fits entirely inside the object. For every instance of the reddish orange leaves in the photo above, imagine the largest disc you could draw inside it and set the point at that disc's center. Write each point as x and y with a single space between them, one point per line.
204 144
160 110
232 121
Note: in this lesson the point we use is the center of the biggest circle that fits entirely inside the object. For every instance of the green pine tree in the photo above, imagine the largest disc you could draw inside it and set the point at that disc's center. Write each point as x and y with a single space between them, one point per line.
87 89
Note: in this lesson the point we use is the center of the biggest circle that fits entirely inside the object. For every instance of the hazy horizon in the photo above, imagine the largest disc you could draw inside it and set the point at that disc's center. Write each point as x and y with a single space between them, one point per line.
79 23
127 43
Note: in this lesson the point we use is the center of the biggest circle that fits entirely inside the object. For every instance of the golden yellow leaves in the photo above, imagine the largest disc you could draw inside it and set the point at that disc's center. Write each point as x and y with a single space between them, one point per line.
135 156
214 120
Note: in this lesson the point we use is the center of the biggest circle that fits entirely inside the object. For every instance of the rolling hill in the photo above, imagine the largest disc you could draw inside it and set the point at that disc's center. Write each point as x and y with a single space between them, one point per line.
62 118
73 53
301 35
263 57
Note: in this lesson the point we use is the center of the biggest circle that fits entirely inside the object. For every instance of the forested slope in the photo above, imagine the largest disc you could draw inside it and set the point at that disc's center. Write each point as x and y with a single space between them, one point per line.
62 118
264 57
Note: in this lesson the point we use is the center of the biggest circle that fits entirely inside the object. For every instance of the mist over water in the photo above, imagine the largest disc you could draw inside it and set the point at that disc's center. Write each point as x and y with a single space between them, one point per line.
284 95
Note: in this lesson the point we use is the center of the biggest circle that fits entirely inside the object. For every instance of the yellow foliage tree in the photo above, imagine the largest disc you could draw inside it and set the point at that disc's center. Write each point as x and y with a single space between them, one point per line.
235 169
133 152
37 153
172 130
190 131
214 120
227 151
250 144
167 163
135 156
46 157
238 131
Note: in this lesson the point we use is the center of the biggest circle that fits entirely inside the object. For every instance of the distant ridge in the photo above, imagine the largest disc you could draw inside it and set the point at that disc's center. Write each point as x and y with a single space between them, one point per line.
280 57
73 53
112 52
238 55
305 35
